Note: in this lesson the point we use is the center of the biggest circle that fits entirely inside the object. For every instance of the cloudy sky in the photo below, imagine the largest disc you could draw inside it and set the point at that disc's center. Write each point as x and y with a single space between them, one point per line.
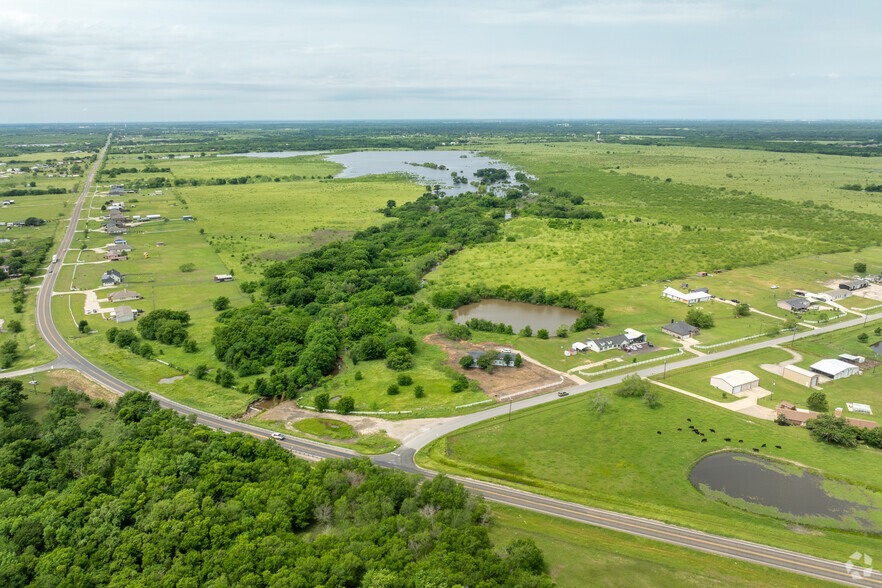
188 60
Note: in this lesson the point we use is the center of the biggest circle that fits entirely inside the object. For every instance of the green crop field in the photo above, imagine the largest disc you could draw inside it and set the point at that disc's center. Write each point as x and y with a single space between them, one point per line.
641 472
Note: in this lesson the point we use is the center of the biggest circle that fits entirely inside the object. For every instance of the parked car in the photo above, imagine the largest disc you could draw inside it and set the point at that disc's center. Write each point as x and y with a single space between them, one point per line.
736 301
650 344
563 393
278 436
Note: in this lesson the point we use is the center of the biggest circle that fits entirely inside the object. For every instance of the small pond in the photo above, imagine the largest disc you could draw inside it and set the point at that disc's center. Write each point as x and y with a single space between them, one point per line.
441 165
517 314
792 491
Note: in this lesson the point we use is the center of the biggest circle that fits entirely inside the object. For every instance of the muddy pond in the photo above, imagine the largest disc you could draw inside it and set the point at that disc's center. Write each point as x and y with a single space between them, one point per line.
517 314
793 492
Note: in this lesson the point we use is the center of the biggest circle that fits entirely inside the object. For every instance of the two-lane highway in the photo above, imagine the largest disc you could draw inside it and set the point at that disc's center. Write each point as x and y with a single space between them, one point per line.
403 457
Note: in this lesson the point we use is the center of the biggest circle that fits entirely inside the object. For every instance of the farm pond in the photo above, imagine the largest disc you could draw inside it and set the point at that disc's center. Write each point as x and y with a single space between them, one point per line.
786 491
517 314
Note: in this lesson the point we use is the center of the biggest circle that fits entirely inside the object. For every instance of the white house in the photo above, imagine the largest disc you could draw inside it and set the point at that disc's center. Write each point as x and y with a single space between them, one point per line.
689 298
734 382
832 295
834 368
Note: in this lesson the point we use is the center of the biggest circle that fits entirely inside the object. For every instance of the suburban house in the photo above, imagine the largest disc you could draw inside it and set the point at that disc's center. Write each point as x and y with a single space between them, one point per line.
115 229
123 314
680 329
854 284
115 215
115 256
832 295
689 298
616 341
734 382
800 376
795 304
111 278
799 416
834 368
223 278
120 241
118 248
123 295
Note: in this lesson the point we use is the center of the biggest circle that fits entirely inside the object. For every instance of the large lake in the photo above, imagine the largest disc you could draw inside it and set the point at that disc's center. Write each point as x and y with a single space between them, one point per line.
517 314
790 490
464 163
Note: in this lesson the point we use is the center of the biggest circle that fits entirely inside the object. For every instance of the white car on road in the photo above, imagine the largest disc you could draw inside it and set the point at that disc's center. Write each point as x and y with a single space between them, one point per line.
278 436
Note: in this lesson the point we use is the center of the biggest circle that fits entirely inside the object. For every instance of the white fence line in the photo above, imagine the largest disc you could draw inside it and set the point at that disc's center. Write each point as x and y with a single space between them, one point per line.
737 340
833 318
507 396
632 364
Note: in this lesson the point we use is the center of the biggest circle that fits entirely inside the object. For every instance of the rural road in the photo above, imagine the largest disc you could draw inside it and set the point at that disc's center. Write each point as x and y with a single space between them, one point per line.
402 458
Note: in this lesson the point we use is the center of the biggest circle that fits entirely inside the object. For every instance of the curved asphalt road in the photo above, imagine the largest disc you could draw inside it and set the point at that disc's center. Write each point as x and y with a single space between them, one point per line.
402 458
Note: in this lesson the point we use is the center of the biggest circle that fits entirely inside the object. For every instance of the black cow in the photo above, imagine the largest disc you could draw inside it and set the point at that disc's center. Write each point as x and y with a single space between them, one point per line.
659 432
777 447
704 440
727 439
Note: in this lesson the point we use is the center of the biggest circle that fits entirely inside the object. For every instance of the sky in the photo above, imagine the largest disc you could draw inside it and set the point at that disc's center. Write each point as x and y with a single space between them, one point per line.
195 60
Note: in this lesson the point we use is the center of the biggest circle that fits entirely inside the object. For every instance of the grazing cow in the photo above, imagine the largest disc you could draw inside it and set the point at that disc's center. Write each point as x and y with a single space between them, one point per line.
756 450
712 431
691 426
690 420
679 429
763 445
702 434
659 432
741 440
727 439
704 440
777 447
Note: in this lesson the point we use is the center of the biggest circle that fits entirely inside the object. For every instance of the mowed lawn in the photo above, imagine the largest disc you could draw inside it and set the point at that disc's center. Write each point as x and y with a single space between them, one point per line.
618 460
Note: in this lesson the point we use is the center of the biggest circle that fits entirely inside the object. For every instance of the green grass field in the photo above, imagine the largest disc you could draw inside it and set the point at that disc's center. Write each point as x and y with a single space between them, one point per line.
575 553
640 472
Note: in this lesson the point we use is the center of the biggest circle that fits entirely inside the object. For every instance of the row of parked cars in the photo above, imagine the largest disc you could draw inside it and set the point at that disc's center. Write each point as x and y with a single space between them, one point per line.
636 346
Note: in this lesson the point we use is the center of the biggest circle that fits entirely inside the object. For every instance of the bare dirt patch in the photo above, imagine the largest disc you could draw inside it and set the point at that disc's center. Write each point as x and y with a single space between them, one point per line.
531 378
77 381
288 413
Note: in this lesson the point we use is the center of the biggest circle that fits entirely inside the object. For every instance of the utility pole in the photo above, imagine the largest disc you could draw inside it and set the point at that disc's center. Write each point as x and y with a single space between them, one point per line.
665 375
510 401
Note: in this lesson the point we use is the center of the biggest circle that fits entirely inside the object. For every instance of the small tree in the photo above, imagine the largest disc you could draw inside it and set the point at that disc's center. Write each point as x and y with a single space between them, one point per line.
518 362
599 402
393 389
742 309
200 370
485 361
358 376
781 420
542 334
860 267
14 326
399 359
863 338
817 401
651 398
466 361
526 331
418 391
83 326
461 383
790 322
322 401
190 346
562 331
699 319
221 303
404 380
346 405
877 331
633 386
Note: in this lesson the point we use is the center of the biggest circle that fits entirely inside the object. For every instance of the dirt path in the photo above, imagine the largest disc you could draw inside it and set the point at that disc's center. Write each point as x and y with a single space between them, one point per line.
778 368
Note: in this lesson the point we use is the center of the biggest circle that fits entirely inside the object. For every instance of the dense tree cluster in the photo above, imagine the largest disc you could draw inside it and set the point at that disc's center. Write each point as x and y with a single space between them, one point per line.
28 257
147 498
166 326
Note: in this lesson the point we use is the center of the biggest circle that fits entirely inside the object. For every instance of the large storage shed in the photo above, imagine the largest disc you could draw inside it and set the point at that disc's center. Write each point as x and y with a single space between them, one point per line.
735 382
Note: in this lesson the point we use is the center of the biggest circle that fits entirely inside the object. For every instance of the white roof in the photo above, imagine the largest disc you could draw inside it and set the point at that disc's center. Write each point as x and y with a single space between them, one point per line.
632 334
850 357
799 370
859 407
691 296
832 366
737 377
580 346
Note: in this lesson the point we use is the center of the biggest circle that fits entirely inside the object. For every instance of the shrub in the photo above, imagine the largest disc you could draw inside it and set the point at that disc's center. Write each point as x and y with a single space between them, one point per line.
651 398
542 334
833 430
393 389
418 391
14 326
399 359
817 401
190 346
404 380
322 401
346 405
145 350
225 378
518 362
863 338
199 371
860 267
358 376
221 303
633 386
455 332
83 326
699 319
466 361
526 331
111 334
562 331
187 267
461 383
